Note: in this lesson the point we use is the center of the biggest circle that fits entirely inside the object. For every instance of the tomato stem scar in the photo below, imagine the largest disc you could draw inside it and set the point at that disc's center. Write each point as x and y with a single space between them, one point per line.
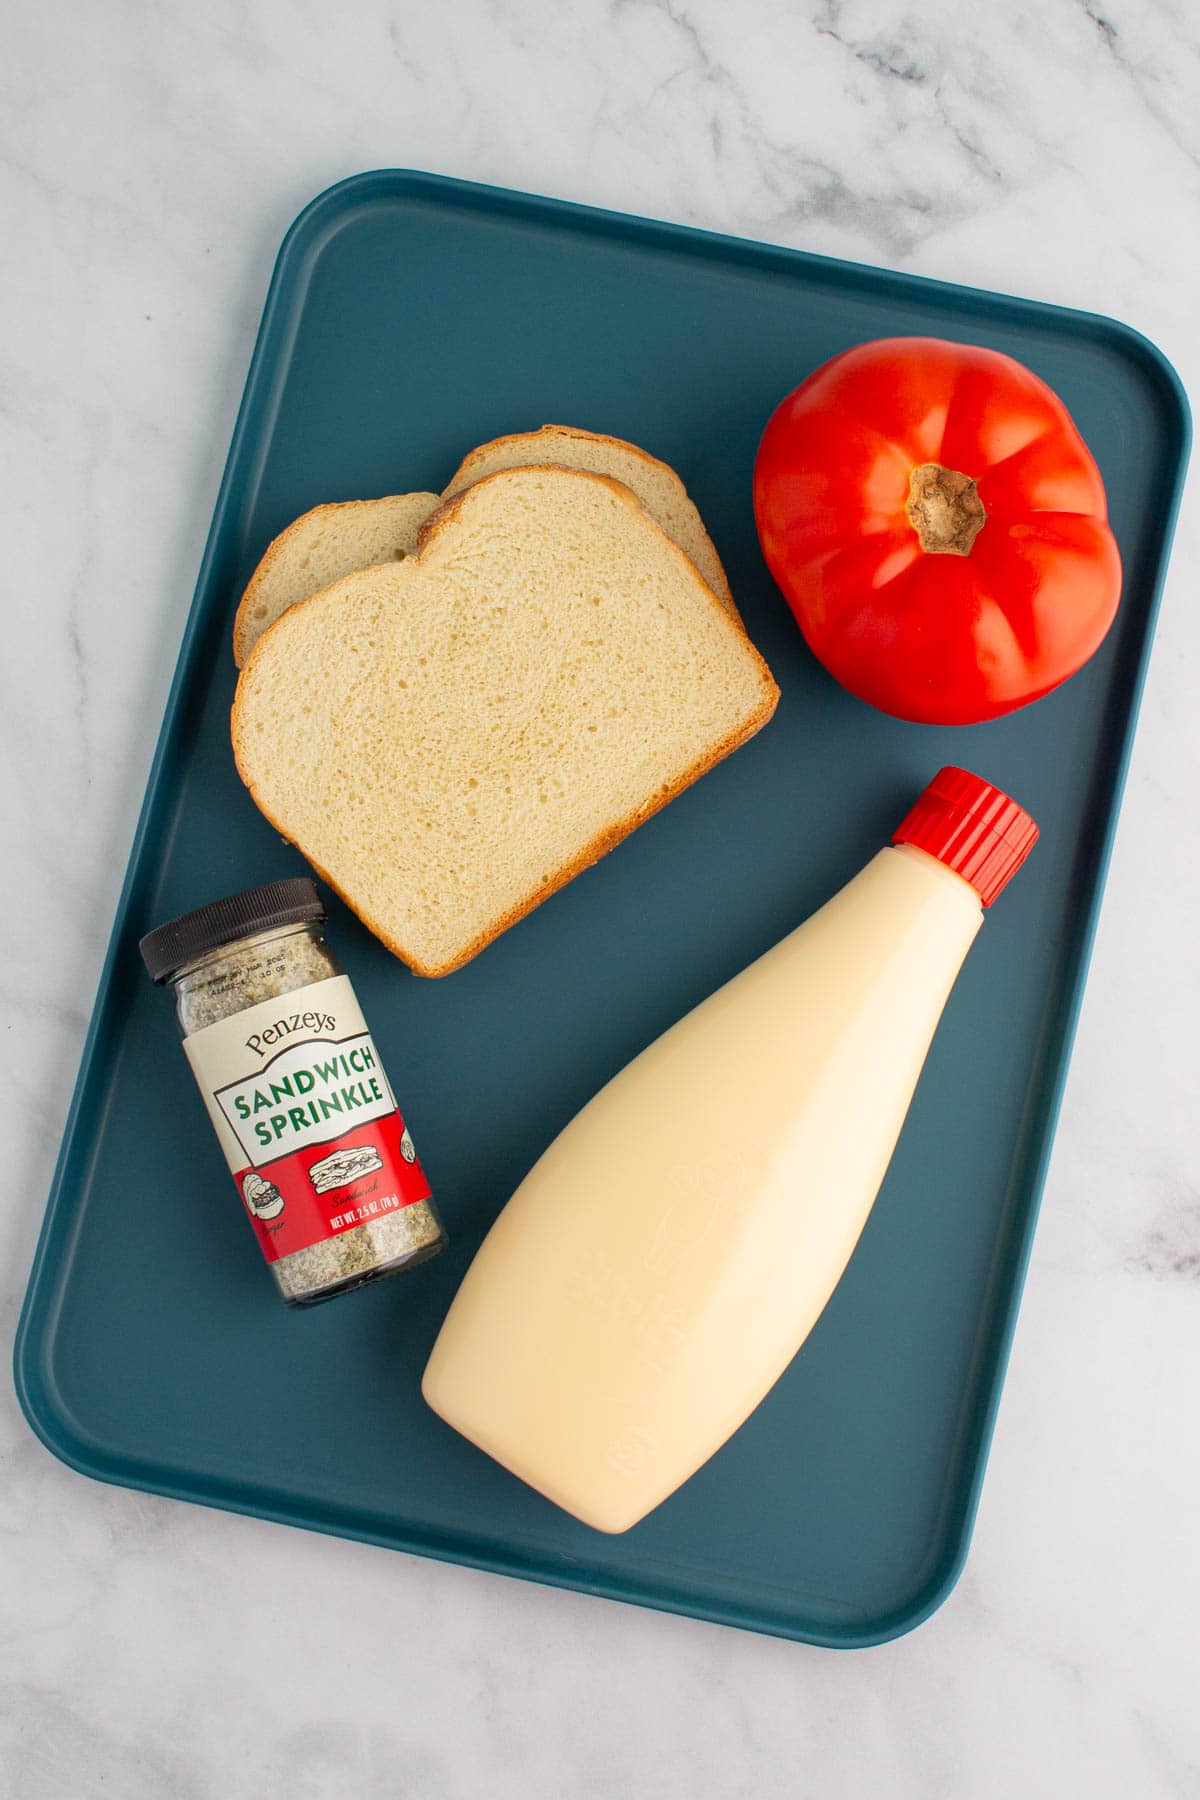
944 509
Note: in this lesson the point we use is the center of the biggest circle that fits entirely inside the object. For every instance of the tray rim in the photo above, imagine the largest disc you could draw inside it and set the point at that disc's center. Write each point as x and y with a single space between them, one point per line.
48 1416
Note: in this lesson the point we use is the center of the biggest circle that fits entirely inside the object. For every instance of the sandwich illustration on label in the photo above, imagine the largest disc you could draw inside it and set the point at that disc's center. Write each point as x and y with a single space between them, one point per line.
343 1167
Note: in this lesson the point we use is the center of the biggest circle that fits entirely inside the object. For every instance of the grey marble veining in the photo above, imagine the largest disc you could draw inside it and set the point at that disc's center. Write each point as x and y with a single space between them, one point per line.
150 159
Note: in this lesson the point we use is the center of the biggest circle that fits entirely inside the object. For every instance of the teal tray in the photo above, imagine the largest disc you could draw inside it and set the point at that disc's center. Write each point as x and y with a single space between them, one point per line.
409 318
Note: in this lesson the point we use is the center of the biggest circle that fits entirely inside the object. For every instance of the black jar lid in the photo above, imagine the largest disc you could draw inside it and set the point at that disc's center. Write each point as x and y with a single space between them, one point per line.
168 948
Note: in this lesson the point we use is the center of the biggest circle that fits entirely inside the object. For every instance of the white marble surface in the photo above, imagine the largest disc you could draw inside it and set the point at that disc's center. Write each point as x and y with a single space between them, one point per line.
152 157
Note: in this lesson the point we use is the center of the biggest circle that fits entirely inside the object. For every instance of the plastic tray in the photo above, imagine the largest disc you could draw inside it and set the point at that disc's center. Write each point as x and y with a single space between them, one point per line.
409 318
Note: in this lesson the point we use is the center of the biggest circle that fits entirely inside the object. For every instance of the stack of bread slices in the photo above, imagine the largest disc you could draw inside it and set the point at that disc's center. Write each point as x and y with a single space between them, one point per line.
453 703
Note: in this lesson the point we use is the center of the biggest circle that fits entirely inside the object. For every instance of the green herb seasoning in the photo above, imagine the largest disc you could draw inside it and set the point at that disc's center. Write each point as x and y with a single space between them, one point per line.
324 1164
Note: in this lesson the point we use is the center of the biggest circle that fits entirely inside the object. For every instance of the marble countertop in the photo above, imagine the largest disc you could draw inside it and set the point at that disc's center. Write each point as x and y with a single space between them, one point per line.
152 158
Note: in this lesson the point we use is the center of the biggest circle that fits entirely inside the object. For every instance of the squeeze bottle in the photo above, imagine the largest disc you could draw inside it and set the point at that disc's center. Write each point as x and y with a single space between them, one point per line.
667 1256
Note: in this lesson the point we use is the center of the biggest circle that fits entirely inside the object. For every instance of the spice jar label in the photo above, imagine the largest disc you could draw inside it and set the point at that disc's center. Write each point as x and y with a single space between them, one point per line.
306 1116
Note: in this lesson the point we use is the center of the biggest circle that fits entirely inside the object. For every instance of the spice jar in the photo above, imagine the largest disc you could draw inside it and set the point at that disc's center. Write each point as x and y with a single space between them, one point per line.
295 1089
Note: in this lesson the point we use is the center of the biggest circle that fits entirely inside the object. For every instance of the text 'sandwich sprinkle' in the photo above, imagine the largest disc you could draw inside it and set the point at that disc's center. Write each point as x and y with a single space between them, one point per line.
325 1167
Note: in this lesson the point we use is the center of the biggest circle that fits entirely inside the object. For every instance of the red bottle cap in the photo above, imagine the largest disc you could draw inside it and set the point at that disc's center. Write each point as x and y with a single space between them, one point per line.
973 828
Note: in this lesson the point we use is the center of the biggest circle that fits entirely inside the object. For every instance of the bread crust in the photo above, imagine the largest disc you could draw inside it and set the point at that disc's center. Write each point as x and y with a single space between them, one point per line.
603 841
278 548
462 477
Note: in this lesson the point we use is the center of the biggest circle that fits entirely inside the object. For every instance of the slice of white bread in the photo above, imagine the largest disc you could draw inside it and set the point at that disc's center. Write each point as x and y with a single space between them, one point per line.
450 738
656 485
320 546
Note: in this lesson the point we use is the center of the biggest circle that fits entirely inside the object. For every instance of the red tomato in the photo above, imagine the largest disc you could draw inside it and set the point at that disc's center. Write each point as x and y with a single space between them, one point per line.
938 527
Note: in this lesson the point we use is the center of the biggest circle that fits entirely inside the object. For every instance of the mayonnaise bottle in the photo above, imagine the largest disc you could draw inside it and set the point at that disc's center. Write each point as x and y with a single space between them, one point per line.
667 1256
